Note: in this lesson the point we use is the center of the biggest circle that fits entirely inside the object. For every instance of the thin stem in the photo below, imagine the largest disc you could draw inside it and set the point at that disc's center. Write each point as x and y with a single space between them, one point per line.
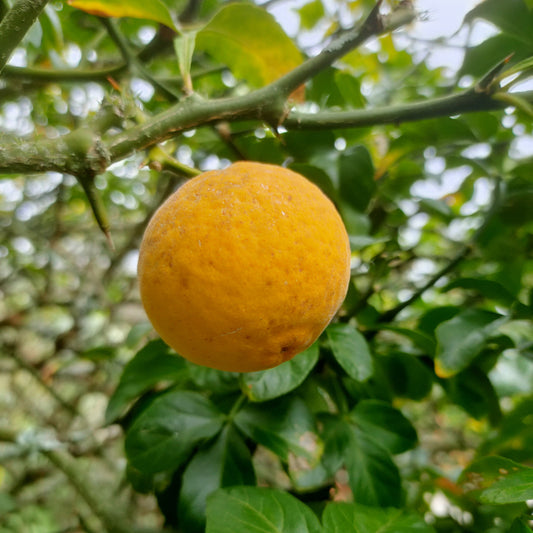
15 24
133 60
237 406
390 315
63 75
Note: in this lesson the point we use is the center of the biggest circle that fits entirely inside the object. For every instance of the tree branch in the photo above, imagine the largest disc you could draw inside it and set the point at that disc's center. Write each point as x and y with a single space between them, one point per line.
374 25
468 101
15 24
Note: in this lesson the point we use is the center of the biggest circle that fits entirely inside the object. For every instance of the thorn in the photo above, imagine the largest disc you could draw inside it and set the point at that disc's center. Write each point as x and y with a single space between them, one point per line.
484 84
109 239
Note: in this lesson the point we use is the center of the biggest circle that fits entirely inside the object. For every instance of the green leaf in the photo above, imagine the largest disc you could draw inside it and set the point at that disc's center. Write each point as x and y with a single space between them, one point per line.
152 364
473 391
385 424
515 487
310 13
258 510
511 16
480 59
461 339
407 376
373 476
249 41
488 288
483 473
356 177
337 436
284 426
498 480
165 433
318 176
419 338
224 463
269 384
351 351
350 89
213 380
520 526
143 9
184 48
437 315
341 517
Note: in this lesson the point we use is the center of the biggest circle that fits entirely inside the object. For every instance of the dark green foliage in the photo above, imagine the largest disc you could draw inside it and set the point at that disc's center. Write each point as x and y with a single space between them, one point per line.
413 411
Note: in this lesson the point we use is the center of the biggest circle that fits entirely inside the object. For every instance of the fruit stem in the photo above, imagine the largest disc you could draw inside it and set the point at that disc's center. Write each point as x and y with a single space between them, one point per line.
237 406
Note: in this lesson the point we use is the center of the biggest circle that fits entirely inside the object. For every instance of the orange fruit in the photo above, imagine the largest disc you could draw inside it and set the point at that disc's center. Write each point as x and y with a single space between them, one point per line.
243 268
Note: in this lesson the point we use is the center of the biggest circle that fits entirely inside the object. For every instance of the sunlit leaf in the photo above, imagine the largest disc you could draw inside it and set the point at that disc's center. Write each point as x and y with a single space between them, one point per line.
249 41
154 10
461 339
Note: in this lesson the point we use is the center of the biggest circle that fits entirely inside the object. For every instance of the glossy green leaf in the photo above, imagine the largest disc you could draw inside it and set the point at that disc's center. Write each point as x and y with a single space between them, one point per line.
351 351
341 517
373 476
257 509
356 177
461 339
515 487
269 384
154 363
385 424
284 426
249 41
154 10
165 433
223 463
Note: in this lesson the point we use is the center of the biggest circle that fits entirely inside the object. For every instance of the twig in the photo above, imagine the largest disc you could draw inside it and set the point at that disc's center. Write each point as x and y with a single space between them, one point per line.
133 60
16 22
390 315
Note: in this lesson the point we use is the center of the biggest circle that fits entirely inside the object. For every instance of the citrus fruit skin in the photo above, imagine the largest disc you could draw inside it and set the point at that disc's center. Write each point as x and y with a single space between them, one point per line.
243 268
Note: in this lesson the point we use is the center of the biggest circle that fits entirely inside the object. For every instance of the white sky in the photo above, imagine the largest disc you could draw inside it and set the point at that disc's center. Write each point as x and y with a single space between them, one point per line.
442 17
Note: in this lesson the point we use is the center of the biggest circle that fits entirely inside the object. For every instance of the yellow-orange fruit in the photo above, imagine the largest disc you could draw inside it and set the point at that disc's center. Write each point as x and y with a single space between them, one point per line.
243 268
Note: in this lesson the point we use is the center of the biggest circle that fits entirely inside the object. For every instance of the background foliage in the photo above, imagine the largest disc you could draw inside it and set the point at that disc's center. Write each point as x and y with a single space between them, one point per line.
413 410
